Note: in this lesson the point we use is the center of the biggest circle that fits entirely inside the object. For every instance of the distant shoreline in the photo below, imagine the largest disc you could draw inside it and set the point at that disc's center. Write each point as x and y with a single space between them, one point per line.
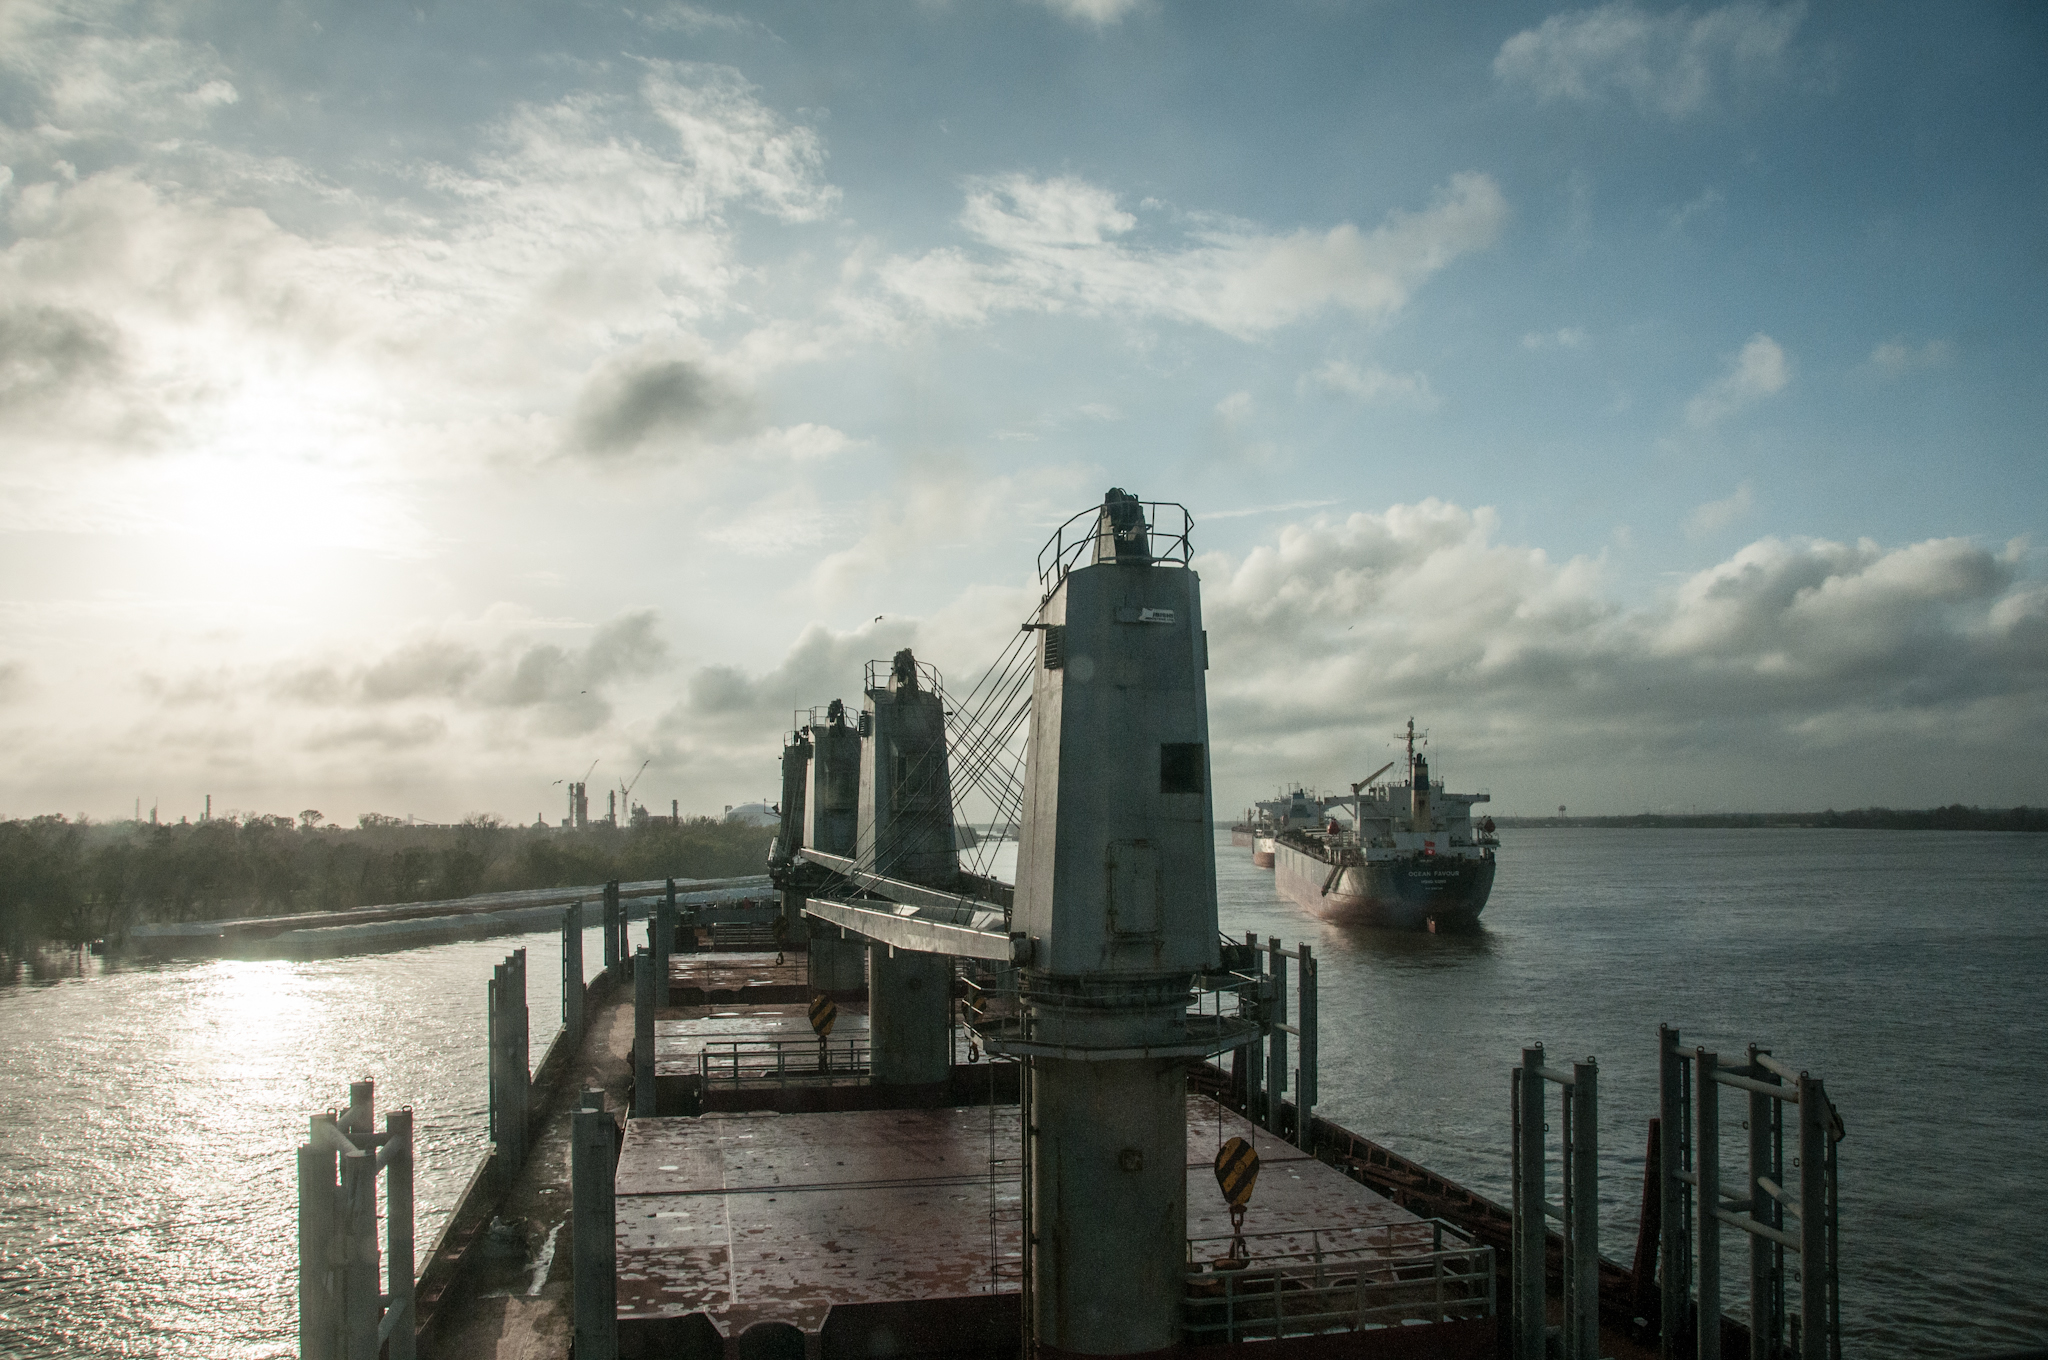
1955 817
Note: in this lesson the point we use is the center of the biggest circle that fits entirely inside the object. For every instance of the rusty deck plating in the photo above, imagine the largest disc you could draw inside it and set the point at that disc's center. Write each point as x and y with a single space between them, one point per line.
752 1218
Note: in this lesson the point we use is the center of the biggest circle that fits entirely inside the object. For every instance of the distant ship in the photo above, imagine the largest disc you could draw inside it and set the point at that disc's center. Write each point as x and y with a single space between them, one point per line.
1263 822
1413 859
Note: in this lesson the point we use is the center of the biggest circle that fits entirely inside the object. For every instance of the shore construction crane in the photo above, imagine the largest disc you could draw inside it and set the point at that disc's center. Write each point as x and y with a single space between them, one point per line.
626 790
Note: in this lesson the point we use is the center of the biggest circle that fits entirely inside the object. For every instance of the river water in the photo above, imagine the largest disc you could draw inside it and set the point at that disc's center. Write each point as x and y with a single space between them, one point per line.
148 1116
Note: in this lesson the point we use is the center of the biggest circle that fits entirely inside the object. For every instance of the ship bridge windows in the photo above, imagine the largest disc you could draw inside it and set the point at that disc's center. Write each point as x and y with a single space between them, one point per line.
1180 767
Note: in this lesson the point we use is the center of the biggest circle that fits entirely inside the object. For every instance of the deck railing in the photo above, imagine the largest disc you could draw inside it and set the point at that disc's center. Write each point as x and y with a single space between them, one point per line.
737 1061
1270 1285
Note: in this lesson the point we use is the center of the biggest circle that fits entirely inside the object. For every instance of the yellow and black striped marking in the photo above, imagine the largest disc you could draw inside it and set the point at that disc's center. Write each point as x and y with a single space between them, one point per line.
823 1012
1237 1170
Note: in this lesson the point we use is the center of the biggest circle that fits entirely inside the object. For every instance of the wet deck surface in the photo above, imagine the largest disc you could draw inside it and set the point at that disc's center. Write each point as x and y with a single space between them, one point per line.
756 1217
729 972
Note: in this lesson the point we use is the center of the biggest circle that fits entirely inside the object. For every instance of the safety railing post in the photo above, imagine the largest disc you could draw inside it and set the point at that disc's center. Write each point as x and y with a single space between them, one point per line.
317 1190
1305 1093
1816 1270
1276 1053
572 972
401 1323
1674 1279
1706 1160
1582 1299
593 1224
1530 1236
643 1034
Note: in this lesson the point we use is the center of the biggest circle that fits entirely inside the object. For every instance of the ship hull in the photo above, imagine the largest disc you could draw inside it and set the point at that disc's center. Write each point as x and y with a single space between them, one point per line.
1240 835
1262 852
1417 892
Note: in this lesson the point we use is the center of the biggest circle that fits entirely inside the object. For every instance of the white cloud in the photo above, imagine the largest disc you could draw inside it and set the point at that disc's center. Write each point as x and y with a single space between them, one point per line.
1063 245
1674 62
1713 516
1567 337
1760 370
1096 12
1895 357
1371 385
1788 649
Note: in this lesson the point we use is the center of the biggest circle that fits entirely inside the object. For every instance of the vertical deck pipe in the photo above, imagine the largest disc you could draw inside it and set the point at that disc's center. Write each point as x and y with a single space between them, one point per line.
316 1246
592 1227
1673 1277
1529 1265
1816 1271
1305 1088
1706 1160
398 1233
643 1034
1582 1305
572 972
1276 1055
360 1302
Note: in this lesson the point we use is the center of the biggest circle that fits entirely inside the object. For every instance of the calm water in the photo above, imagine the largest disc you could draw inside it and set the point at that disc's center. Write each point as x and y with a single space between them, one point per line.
148 1116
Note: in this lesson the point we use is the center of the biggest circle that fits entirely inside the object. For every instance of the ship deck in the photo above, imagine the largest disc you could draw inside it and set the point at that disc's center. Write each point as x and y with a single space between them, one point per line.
750 1218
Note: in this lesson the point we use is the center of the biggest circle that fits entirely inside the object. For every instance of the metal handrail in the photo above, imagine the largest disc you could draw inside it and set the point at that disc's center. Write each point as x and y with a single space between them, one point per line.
1338 1288
877 675
737 1060
1061 551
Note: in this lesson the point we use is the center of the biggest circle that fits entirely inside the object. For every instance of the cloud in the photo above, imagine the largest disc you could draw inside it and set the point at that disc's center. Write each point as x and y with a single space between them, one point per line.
563 687
1895 357
1760 370
46 353
1062 245
1714 516
1371 385
1568 337
680 404
1097 12
1787 646
1671 63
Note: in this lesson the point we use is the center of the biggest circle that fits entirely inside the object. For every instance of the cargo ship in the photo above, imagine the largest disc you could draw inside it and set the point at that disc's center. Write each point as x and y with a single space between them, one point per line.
1412 859
1263 822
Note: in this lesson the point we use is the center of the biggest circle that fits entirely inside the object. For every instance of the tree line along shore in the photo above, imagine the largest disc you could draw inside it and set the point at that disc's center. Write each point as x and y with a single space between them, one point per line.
66 882
1954 817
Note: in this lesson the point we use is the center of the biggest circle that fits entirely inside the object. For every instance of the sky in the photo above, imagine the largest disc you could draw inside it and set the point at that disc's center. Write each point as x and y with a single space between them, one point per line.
408 409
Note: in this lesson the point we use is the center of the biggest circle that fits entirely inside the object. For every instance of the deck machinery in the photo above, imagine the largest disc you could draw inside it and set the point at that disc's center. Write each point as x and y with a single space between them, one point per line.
1112 922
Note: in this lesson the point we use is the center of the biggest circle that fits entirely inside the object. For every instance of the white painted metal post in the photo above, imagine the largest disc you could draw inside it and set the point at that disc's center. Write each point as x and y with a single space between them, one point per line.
593 1213
1706 1160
